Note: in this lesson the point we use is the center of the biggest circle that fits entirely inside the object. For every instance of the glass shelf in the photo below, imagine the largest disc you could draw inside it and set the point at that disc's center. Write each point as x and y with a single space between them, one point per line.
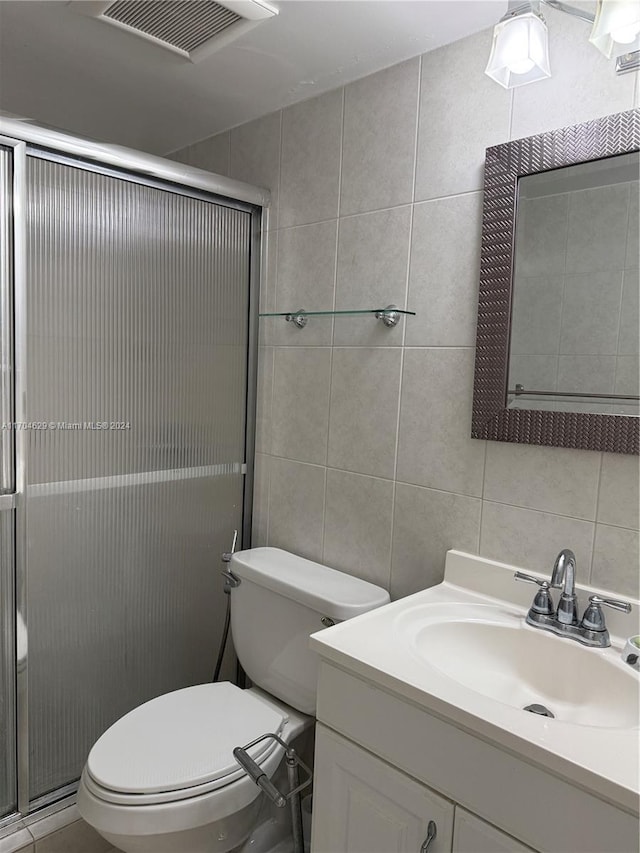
390 315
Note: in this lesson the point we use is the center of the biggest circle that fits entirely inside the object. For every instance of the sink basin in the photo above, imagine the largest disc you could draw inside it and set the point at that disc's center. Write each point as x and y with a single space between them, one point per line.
492 651
462 652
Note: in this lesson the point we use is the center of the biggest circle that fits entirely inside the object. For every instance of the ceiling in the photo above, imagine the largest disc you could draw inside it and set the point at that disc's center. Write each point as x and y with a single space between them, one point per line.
79 74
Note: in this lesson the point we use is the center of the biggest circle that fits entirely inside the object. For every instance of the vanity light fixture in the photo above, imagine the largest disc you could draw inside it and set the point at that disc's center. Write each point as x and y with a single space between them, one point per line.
520 49
617 23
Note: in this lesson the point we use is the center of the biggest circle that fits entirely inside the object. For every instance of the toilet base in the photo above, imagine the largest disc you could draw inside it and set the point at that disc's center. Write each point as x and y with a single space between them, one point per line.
258 828
221 836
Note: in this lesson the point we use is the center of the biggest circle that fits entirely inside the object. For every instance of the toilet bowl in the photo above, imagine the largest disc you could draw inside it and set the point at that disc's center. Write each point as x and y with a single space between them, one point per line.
163 778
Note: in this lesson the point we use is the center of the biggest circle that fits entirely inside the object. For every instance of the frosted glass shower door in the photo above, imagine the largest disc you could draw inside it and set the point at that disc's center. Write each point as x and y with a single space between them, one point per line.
137 325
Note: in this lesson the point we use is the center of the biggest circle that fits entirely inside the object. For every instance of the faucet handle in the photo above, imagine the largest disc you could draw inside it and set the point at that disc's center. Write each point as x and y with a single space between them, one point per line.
542 603
593 618
611 602
522 576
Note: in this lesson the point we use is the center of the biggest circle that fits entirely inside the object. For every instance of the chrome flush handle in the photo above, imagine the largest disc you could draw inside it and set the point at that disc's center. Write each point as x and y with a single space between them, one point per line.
432 831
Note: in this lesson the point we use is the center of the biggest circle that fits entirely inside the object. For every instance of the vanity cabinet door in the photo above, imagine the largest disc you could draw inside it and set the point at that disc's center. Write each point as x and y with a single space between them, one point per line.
363 805
472 835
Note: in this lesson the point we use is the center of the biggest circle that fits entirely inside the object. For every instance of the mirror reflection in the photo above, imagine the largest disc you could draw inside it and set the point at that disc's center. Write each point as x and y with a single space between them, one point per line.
575 328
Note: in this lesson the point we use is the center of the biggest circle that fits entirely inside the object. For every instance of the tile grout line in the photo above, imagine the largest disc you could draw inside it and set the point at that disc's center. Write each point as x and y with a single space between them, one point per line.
269 457
400 482
416 141
333 325
595 514
395 463
374 210
324 511
404 328
278 212
272 347
368 346
541 511
482 494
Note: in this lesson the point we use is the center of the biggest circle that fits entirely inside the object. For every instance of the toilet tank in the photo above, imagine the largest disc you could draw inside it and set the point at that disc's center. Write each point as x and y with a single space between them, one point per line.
280 601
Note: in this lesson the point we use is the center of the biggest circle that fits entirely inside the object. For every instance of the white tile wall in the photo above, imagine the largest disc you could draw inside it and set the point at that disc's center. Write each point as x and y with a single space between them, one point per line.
434 444
210 154
296 507
357 525
445 269
378 168
363 418
306 279
385 175
373 255
310 160
300 416
258 166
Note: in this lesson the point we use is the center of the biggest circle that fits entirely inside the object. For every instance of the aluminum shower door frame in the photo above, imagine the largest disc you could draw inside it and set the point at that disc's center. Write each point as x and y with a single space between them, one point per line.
28 139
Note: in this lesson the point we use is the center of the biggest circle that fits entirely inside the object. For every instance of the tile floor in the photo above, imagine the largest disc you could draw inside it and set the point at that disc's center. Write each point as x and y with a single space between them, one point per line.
61 832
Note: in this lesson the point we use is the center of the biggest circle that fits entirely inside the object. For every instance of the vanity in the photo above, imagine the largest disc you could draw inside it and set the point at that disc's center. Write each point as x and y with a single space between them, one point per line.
423 742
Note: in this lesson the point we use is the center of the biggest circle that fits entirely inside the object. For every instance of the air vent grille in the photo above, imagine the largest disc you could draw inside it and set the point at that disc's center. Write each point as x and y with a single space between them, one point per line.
183 24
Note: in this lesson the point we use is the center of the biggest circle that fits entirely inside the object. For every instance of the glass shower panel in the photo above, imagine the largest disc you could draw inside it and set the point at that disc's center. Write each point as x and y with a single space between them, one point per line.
137 313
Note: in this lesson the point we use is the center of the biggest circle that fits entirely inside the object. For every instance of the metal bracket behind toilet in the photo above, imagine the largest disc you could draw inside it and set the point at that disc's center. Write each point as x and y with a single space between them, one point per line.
255 772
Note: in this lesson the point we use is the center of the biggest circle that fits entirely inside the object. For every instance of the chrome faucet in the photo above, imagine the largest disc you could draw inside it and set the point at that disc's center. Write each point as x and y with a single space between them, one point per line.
564 575
563 619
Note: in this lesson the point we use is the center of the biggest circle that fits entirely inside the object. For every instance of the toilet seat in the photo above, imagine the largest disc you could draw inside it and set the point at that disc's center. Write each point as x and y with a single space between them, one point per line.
180 745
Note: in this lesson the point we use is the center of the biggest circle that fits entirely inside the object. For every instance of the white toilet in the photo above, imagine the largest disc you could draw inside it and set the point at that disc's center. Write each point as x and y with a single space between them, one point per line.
163 778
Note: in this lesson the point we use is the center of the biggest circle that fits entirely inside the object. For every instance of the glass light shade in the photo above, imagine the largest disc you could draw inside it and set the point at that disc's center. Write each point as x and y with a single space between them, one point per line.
617 23
520 51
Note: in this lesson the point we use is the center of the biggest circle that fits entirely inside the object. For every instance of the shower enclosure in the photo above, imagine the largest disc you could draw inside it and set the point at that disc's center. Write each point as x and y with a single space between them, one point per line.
128 309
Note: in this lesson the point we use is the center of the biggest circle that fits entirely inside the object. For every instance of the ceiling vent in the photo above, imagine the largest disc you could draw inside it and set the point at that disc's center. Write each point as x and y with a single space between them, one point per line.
191 28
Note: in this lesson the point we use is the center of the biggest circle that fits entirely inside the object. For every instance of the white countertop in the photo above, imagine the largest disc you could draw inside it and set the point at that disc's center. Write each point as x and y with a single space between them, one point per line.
602 761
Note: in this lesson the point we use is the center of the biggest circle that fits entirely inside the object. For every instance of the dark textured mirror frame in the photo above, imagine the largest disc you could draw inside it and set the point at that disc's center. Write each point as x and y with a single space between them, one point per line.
504 164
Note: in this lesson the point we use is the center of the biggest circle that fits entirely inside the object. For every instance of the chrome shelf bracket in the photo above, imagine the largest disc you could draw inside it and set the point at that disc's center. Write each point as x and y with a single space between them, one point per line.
298 318
390 316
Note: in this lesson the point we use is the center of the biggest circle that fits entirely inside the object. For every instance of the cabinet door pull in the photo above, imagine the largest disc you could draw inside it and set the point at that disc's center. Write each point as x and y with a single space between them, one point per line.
432 831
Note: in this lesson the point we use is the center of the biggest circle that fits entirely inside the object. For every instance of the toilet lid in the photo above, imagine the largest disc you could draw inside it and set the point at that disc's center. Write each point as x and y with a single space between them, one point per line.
183 739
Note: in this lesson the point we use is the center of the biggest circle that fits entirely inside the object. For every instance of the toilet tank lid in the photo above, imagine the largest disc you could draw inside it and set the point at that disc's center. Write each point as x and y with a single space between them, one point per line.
327 591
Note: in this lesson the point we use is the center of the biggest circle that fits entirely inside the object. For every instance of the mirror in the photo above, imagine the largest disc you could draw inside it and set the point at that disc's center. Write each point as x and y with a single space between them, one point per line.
574 317
557 350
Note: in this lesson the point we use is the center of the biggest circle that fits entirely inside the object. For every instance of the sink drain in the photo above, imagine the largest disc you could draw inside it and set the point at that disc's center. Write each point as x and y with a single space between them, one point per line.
539 709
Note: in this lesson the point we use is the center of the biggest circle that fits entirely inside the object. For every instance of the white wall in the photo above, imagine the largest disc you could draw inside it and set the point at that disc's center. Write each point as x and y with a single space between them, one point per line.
364 456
